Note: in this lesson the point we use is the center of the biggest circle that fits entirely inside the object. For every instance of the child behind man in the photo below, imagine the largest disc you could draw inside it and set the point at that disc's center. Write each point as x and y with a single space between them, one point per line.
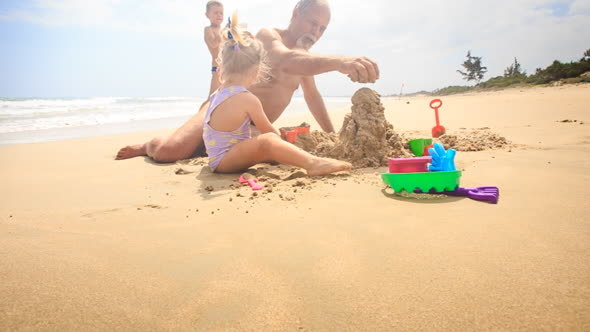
226 130
212 38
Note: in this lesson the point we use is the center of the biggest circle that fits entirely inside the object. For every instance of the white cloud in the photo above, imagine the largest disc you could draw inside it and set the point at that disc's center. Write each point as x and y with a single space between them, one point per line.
63 12
580 7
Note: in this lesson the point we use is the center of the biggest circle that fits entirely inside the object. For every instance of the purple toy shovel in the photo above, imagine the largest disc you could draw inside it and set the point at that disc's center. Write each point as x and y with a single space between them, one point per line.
487 194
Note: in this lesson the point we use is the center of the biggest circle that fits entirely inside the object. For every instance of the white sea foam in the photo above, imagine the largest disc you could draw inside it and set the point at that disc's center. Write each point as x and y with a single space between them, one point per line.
32 117
38 114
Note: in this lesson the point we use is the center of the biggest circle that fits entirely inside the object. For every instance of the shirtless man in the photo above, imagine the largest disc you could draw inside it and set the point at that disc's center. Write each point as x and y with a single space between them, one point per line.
291 65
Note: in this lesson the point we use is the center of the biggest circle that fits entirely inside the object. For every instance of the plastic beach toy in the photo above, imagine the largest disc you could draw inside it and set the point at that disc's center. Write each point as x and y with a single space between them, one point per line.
249 179
488 194
442 160
426 182
438 130
409 165
419 146
290 134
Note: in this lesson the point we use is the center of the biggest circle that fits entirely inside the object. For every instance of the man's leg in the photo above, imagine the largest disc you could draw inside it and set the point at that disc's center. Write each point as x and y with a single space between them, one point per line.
182 144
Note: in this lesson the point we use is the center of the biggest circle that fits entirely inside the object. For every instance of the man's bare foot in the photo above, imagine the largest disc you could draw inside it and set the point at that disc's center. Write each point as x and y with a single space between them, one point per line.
322 166
131 151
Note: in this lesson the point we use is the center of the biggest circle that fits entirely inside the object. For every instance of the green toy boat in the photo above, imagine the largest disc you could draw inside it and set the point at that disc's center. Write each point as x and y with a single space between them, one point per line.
426 181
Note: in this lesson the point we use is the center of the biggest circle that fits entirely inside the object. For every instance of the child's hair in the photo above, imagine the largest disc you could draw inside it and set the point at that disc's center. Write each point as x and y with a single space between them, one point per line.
213 3
240 51
303 5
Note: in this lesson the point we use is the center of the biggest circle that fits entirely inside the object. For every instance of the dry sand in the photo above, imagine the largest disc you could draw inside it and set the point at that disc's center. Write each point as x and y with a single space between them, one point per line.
90 243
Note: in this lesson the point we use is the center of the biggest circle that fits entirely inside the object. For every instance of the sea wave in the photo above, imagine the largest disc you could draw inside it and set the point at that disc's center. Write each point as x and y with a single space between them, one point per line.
33 114
36 114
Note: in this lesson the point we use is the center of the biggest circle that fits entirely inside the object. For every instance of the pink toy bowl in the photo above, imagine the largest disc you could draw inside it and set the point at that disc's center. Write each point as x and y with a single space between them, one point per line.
409 165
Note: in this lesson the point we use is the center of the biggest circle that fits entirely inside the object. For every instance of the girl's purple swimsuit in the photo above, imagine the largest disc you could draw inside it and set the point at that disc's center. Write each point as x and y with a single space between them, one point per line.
217 142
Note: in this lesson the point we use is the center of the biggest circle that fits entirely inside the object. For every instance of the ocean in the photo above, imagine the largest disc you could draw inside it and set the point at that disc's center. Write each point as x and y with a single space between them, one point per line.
31 120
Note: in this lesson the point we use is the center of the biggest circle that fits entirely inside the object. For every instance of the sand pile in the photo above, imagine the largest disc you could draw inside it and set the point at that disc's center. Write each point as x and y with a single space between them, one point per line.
474 140
317 142
366 139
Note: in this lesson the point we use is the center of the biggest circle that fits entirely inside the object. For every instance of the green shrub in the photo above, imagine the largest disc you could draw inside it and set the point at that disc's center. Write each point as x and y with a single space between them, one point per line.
503 81
558 70
514 69
450 90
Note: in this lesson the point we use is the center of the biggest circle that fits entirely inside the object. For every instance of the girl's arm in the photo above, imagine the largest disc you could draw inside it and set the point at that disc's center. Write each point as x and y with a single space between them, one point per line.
255 111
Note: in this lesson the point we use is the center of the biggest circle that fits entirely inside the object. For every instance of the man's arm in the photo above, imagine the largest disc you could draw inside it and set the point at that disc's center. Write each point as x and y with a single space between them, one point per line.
316 105
296 62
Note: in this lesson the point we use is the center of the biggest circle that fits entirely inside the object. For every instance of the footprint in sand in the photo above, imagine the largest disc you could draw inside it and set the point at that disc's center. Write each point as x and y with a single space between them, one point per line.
154 206
182 171
92 214
295 175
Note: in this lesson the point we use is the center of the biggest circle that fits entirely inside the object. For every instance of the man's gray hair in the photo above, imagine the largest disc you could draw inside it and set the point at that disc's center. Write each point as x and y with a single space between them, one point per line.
302 5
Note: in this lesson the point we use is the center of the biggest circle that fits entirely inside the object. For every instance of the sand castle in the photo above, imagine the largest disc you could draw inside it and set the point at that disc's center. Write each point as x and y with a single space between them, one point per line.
366 138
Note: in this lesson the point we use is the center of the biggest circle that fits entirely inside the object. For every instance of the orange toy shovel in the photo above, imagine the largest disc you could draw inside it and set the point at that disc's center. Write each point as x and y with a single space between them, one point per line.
438 130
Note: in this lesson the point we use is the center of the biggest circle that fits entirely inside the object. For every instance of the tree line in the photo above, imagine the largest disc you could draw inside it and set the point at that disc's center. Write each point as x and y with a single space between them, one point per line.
474 70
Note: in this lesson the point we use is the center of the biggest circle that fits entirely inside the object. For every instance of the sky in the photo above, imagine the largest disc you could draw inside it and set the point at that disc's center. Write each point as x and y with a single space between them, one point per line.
155 48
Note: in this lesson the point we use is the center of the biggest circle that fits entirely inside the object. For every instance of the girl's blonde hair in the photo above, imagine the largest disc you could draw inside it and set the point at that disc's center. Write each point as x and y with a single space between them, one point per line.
240 51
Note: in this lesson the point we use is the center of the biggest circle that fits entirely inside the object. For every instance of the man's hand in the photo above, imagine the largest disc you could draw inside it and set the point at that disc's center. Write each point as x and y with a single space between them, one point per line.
361 69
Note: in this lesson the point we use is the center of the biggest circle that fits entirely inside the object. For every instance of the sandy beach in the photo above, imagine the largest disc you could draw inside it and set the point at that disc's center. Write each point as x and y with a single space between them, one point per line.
90 243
